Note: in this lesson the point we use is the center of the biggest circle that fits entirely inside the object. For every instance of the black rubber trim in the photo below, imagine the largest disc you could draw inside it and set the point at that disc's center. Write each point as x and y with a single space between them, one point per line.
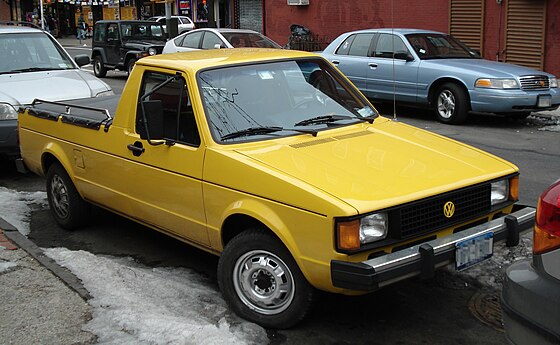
43 114
82 121
542 331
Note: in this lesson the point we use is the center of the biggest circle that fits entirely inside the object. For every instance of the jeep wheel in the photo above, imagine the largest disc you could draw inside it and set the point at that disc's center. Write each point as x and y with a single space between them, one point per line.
261 281
98 67
452 104
130 65
68 208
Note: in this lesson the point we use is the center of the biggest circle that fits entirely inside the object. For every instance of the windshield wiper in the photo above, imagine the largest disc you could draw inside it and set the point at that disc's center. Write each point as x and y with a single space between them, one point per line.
332 118
33 69
264 130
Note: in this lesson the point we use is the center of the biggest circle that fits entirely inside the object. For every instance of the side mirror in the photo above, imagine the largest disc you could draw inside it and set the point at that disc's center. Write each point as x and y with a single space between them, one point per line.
217 46
151 126
82 60
403 56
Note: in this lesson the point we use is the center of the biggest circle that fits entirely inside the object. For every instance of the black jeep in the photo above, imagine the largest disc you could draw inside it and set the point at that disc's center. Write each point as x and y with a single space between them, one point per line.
117 44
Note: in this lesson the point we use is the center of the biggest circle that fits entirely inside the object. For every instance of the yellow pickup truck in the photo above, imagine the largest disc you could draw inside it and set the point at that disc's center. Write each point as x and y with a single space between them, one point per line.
274 161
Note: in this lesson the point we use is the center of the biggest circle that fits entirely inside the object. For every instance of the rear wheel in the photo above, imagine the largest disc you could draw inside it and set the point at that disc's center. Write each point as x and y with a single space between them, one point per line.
130 65
452 104
261 281
68 208
98 67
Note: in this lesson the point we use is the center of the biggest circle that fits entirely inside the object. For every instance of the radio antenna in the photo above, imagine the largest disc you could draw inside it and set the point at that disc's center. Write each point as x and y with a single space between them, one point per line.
393 49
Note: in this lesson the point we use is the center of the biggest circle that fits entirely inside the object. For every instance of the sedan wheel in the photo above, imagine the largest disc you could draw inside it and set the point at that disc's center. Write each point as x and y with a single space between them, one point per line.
452 104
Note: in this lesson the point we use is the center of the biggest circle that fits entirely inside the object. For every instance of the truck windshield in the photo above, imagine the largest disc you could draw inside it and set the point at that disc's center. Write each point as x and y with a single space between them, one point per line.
293 97
142 31
31 52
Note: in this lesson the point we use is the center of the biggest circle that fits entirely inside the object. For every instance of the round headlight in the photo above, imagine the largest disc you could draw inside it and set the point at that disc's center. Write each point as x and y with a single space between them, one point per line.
152 51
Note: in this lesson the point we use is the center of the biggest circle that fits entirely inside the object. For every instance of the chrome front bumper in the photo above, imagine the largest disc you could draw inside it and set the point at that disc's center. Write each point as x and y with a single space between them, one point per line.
422 259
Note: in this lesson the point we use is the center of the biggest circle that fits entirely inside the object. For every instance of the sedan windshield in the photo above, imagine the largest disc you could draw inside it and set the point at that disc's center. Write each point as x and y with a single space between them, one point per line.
30 52
439 46
270 100
249 39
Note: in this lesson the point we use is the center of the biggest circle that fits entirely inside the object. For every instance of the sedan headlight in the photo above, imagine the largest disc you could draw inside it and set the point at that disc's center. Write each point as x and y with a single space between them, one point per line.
152 51
491 83
553 82
8 112
352 234
500 192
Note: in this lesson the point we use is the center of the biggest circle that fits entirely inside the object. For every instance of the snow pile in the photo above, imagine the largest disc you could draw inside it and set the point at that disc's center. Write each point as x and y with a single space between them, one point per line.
16 207
134 304
546 123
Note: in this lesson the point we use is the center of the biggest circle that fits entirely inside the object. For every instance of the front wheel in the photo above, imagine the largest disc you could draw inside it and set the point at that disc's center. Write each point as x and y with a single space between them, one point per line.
68 208
452 104
130 65
98 67
261 281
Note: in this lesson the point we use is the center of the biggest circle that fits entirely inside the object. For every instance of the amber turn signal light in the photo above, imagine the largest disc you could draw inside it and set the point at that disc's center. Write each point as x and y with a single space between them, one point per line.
514 188
349 235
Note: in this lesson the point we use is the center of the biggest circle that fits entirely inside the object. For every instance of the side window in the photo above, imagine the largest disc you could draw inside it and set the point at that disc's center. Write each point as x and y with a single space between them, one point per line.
192 40
360 45
99 35
210 40
388 44
113 32
179 123
345 46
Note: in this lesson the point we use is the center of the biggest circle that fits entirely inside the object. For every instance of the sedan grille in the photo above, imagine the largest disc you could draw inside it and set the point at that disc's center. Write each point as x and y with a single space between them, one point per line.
534 82
428 215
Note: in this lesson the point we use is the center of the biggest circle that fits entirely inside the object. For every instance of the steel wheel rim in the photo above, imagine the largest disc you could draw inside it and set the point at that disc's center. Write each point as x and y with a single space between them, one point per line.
97 66
446 104
263 282
59 193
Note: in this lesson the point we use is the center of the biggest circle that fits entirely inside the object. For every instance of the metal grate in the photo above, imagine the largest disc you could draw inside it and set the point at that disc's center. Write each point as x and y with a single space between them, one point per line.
427 215
534 82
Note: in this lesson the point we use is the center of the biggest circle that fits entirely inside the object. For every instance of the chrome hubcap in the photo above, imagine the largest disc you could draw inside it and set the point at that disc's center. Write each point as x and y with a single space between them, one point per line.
446 104
263 282
59 194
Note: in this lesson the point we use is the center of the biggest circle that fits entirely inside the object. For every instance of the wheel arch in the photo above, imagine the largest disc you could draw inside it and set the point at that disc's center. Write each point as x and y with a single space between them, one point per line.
439 82
98 52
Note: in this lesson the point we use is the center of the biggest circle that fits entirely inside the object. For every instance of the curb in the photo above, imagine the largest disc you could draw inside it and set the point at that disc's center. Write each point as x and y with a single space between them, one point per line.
37 253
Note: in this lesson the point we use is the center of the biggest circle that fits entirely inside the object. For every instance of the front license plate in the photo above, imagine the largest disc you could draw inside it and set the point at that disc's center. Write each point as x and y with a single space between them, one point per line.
544 101
473 250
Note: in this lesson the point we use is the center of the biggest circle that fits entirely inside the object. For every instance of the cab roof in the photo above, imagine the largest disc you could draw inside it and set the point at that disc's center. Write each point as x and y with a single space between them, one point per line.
194 61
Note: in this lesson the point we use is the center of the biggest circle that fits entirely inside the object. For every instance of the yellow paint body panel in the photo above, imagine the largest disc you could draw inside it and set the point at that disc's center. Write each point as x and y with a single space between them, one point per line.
296 186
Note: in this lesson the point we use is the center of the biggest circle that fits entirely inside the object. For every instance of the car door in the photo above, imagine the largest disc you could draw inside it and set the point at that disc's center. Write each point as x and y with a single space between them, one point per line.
388 76
352 58
212 41
113 44
166 184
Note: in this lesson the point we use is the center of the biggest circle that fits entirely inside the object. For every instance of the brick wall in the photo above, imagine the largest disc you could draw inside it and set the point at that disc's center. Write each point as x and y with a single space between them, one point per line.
4 11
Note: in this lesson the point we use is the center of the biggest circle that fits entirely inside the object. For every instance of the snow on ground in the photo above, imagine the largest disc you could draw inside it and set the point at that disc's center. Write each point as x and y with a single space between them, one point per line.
135 304
5 265
16 207
545 123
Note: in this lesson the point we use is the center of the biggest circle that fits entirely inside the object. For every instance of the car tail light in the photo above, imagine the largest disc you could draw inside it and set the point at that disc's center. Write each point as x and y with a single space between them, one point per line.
546 236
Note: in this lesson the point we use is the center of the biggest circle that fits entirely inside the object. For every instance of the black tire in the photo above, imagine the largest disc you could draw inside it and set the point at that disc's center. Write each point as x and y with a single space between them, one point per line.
252 291
130 65
99 67
68 208
452 104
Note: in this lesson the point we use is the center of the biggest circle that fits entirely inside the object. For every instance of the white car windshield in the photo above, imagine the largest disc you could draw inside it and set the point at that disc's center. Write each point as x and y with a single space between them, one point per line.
263 101
31 52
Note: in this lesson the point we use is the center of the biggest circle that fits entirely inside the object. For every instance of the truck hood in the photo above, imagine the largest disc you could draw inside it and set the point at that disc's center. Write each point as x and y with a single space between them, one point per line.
482 67
374 167
23 88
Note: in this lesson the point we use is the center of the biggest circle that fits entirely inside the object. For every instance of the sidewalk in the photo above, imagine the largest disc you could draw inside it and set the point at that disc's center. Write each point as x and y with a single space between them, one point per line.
38 306
72 41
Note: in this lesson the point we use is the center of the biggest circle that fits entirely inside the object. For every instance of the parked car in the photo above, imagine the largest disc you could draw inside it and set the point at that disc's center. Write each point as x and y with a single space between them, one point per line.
32 62
531 291
184 23
434 69
208 38
118 44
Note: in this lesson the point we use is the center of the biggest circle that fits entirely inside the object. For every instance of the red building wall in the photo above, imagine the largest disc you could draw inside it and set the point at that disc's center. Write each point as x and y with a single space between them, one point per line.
333 17
4 11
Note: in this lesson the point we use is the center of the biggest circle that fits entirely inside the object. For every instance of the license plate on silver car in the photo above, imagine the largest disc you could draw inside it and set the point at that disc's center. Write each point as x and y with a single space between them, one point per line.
473 250
544 101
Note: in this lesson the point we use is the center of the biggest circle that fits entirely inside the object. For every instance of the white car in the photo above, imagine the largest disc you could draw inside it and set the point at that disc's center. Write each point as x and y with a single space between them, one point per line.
184 23
209 38
34 65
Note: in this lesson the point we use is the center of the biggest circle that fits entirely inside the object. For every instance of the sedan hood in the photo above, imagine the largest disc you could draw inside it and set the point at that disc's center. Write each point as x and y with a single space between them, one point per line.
23 88
374 167
483 67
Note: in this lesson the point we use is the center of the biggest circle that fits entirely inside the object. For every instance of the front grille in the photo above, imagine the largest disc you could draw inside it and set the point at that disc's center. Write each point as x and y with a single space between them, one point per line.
427 215
534 82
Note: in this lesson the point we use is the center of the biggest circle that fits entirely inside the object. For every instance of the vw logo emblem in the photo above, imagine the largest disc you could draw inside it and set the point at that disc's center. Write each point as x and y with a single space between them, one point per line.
448 209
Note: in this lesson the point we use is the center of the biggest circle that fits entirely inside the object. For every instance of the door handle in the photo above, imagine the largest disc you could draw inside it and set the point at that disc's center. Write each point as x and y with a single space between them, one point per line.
136 148
372 65
335 62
